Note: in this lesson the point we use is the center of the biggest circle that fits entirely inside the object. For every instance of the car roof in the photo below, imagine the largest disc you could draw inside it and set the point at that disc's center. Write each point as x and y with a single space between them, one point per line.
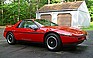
34 19
28 19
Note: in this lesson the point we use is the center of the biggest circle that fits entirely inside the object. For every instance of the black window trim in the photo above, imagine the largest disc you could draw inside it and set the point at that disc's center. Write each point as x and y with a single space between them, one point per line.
26 20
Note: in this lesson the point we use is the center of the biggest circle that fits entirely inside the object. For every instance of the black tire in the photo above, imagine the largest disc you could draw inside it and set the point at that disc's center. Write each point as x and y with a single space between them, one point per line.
10 38
53 42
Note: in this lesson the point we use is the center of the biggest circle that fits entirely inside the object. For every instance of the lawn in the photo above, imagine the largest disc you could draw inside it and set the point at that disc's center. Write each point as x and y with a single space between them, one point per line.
90 27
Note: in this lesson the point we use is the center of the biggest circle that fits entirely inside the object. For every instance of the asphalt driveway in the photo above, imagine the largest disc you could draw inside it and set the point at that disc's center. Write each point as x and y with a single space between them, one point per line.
25 50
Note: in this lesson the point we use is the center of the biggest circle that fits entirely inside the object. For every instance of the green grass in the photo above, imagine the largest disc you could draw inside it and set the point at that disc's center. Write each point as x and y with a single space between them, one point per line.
90 27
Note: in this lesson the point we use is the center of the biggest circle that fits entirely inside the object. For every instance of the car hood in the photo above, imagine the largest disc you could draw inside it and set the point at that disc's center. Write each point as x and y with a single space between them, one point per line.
72 30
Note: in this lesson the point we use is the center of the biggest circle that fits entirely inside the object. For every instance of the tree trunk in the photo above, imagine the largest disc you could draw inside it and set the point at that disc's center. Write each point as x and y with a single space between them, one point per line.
75 0
2 3
30 4
14 12
48 1
37 3
64 1
18 10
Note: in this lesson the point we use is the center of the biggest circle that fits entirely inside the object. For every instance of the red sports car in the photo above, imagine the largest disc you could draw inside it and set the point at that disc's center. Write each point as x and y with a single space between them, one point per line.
49 33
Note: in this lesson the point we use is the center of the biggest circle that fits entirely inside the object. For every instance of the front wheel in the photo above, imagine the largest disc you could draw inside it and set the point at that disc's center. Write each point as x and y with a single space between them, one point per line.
53 42
10 38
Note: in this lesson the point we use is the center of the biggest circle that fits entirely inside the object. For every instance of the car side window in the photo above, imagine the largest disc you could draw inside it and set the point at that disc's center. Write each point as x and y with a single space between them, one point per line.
28 24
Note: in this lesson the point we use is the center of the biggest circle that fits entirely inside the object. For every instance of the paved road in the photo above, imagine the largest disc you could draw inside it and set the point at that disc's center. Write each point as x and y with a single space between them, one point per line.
84 50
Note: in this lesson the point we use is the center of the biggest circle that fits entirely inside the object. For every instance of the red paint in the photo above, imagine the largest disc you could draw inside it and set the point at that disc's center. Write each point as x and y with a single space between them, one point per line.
38 35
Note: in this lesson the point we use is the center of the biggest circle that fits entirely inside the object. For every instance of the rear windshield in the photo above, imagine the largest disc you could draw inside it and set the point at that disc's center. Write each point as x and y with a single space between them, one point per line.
45 22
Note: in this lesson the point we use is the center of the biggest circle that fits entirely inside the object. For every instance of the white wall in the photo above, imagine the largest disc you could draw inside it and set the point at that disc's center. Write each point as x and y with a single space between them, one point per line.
39 14
83 15
83 7
74 18
83 19
54 16
79 18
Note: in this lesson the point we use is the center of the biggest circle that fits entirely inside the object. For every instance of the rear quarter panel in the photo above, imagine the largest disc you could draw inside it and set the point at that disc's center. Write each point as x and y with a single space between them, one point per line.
10 28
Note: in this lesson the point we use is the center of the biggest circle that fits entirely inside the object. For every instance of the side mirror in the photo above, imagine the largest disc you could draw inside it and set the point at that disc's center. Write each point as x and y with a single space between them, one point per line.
35 28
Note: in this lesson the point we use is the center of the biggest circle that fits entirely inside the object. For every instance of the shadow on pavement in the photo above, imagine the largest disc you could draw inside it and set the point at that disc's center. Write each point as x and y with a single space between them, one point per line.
71 49
77 50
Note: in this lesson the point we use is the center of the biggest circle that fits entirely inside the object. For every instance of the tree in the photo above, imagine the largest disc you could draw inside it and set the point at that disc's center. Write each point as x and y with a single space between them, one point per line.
18 10
37 4
2 3
90 8
10 13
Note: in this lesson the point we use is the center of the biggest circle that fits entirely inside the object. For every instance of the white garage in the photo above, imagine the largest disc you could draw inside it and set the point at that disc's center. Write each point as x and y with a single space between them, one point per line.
73 14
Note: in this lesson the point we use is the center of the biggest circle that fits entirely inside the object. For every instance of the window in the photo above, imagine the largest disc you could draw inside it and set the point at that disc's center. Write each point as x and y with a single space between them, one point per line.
44 22
27 24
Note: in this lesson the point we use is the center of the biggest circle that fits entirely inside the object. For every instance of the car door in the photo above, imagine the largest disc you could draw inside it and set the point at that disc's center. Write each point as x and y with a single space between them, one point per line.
26 31
23 30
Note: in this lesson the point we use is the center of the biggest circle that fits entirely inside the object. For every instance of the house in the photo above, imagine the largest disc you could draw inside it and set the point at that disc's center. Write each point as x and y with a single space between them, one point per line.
73 14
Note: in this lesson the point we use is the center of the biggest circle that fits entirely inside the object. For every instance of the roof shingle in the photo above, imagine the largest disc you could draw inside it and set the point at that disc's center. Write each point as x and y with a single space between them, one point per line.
61 6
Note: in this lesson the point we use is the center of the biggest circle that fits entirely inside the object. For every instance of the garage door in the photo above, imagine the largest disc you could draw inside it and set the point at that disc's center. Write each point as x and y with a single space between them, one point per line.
46 16
64 19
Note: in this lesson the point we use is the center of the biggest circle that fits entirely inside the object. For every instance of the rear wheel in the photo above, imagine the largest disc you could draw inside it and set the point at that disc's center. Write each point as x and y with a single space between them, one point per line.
53 42
10 38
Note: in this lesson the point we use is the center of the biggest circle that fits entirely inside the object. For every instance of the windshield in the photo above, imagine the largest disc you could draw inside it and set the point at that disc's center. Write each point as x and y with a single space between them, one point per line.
43 22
